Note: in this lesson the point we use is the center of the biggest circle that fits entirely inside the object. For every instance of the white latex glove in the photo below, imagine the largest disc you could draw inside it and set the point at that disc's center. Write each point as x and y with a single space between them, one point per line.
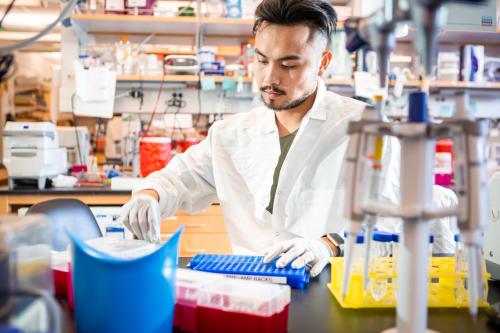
302 252
141 215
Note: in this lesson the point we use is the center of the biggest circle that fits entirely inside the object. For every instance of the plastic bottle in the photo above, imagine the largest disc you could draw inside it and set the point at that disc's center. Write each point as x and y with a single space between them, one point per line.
431 243
381 248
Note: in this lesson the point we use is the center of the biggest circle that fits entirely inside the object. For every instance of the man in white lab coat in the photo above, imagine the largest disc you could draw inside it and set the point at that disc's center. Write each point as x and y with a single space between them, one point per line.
275 170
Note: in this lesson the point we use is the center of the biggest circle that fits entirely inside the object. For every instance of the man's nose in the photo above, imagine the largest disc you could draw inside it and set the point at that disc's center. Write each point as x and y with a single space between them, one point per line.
272 75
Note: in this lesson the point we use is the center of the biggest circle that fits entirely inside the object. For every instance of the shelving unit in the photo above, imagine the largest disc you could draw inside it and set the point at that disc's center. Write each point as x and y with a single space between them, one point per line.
129 24
330 82
169 78
459 37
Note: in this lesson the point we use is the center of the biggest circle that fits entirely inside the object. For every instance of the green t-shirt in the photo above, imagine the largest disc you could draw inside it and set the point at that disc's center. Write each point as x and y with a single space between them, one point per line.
285 144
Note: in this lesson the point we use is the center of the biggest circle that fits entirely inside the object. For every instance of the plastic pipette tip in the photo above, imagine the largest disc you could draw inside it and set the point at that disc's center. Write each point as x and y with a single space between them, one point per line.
348 265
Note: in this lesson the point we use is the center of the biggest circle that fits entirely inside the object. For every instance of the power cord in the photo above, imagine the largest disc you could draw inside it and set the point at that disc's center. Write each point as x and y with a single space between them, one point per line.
76 128
9 8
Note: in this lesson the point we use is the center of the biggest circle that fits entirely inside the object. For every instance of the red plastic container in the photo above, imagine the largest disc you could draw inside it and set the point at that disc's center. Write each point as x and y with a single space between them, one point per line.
214 320
63 285
213 303
188 143
155 153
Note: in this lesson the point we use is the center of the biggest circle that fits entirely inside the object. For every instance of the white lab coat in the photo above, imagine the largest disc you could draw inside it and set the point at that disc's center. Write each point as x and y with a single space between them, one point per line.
235 164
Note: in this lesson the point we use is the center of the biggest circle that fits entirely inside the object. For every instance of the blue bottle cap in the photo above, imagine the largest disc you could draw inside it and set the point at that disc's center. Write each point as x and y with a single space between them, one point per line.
360 238
418 110
395 238
456 238
431 239
381 236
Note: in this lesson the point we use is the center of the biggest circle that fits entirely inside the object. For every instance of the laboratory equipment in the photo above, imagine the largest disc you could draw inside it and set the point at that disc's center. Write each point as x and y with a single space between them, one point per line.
250 268
472 63
114 6
181 64
248 306
382 248
25 272
417 137
233 9
155 153
31 151
215 8
443 170
491 244
445 285
448 66
114 139
94 94
147 308
77 143
139 7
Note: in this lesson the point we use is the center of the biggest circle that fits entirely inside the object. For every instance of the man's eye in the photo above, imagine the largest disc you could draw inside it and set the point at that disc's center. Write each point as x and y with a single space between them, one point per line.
288 66
263 61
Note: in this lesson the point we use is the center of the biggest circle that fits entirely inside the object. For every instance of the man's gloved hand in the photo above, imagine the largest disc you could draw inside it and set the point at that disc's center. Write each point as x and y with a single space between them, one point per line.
302 252
141 215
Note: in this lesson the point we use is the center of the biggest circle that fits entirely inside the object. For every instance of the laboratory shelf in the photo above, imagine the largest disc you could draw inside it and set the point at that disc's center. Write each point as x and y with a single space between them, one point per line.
458 37
329 82
169 78
141 24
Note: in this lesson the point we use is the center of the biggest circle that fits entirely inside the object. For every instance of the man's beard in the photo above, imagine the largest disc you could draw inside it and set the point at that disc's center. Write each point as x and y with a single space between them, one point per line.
288 106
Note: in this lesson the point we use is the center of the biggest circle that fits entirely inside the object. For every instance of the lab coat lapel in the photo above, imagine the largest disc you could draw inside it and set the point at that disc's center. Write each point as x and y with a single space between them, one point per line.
305 142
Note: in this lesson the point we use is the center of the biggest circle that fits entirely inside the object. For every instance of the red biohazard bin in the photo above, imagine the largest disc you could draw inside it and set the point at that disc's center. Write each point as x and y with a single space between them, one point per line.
155 153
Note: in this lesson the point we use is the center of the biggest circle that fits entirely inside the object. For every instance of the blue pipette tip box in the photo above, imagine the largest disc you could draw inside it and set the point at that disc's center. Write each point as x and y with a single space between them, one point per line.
251 268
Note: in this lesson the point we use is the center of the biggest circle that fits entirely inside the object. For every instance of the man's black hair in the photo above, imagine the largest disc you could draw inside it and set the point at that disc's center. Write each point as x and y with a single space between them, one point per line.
319 15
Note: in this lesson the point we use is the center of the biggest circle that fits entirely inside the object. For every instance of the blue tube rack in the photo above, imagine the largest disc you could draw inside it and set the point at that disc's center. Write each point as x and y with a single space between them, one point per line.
251 268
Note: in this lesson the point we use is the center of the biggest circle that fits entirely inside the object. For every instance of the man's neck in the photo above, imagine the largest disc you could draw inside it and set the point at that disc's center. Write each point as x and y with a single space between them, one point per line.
288 121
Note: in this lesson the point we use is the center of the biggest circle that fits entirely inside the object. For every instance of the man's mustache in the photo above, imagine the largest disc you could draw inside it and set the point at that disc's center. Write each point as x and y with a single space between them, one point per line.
272 89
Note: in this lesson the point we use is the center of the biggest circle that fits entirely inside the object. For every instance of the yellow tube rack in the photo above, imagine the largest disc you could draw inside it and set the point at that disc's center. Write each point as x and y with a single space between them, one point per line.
446 289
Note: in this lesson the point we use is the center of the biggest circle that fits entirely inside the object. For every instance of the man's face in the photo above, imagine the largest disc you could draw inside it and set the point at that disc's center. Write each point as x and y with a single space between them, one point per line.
287 62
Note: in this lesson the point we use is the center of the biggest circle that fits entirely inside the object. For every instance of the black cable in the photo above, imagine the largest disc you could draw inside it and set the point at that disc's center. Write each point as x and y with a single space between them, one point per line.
6 62
9 8
160 91
199 101
76 129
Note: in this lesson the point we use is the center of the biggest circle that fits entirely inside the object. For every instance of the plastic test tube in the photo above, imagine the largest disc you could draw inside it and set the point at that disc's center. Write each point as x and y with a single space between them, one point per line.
382 246
460 265
358 253
395 258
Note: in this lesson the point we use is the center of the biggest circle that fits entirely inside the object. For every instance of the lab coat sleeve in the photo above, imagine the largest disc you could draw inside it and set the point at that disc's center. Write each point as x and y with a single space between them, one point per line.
443 229
187 182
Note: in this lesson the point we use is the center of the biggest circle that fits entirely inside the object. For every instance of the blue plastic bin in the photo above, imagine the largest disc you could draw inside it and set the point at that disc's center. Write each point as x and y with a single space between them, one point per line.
115 295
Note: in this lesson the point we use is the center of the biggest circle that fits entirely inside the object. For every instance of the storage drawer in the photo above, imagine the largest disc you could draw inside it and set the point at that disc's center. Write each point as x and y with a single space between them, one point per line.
192 244
210 210
198 223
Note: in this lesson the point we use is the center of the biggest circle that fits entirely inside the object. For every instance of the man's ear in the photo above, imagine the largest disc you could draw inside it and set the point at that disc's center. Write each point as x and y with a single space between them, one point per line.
326 58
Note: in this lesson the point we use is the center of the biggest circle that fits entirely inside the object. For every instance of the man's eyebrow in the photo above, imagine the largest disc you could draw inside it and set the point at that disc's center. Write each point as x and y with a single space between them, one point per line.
260 53
285 58
290 57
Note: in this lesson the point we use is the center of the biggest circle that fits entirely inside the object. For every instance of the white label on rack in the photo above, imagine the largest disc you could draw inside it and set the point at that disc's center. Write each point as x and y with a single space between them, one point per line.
136 3
262 278
115 5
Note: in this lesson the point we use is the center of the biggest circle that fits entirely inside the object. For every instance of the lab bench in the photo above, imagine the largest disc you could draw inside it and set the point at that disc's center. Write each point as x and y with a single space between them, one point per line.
204 232
314 309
